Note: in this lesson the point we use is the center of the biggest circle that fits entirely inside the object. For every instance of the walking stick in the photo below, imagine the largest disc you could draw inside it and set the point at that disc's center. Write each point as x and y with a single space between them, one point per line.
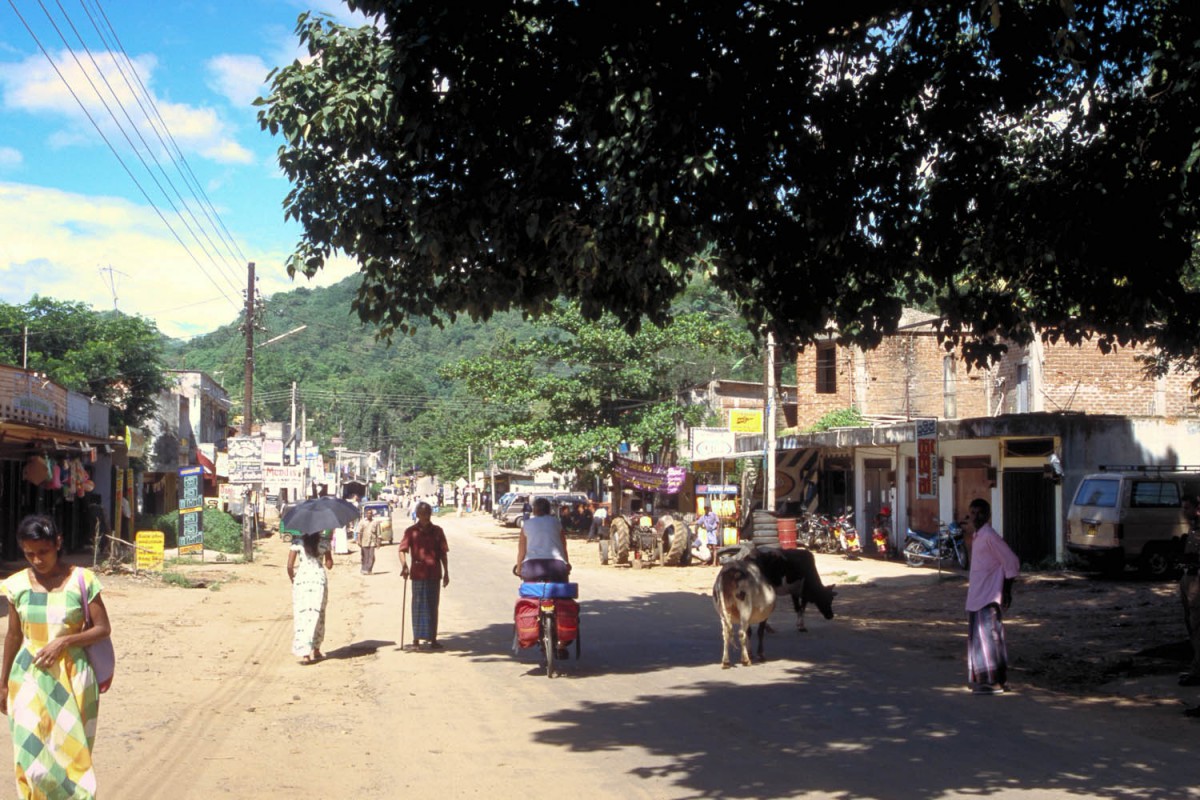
403 609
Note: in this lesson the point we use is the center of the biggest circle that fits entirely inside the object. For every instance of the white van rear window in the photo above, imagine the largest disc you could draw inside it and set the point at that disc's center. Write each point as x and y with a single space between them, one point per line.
1097 492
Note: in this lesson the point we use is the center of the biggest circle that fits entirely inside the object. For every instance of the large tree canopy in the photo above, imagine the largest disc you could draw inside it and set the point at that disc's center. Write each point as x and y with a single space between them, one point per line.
1018 163
111 356
577 389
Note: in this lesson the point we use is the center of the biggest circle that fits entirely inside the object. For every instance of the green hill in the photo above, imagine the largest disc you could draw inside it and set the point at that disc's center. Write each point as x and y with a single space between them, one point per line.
368 392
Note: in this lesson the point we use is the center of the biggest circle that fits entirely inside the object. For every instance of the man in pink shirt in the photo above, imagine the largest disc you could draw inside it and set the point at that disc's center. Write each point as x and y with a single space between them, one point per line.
994 567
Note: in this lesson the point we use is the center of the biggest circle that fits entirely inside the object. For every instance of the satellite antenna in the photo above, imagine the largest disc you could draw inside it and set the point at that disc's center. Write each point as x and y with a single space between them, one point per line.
112 281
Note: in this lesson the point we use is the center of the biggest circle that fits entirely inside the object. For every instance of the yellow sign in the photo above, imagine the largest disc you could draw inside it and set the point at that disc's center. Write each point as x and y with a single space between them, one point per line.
746 420
149 550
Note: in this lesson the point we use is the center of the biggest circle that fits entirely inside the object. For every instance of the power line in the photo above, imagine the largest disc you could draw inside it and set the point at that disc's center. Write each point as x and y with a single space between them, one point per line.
197 191
83 107
112 115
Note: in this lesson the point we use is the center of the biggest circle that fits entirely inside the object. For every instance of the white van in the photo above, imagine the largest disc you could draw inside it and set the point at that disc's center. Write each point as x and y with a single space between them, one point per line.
1131 515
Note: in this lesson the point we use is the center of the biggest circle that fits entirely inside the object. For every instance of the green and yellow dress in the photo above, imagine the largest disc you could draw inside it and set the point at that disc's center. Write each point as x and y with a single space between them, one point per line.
52 711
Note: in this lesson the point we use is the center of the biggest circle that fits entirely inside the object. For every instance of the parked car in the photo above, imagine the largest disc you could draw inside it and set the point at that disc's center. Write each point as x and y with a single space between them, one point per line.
501 504
513 513
1131 516
383 513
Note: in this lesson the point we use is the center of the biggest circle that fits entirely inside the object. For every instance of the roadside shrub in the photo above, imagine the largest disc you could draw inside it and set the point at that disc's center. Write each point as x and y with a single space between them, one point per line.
840 418
221 531
167 523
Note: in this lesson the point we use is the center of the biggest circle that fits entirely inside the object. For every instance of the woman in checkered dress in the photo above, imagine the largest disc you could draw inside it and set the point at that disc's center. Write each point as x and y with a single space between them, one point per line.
53 697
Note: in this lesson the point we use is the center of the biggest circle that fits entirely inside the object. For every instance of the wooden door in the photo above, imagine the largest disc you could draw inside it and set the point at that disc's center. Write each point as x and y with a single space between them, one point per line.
922 514
971 481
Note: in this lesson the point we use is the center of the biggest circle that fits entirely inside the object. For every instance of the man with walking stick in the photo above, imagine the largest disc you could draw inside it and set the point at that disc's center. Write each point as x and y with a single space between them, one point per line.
426 543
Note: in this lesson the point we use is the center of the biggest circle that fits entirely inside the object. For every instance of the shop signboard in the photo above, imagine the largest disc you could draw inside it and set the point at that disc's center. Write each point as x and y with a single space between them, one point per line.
191 511
717 488
245 459
29 397
712 443
191 487
275 478
149 550
191 533
272 451
927 459
649 477
746 420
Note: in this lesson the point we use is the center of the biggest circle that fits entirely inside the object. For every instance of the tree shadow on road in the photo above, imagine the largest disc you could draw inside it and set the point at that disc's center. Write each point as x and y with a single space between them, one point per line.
823 729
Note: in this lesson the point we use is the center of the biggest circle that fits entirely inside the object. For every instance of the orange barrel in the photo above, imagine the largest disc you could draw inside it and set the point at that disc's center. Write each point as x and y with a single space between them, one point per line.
787 532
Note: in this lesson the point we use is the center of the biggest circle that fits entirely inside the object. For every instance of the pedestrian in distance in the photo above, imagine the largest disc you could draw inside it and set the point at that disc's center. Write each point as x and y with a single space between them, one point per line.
711 525
53 697
307 564
426 544
599 516
526 510
542 547
1189 591
368 540
994 569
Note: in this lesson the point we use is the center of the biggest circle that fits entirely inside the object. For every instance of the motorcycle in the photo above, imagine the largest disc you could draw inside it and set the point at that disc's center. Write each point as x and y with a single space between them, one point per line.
881 533
924 548
847 535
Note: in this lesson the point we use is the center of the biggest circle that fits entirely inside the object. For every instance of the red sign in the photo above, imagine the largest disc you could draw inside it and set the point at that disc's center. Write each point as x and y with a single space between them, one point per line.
927 460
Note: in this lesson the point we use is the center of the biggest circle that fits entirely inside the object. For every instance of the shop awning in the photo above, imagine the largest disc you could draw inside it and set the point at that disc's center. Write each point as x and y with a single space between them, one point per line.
18 439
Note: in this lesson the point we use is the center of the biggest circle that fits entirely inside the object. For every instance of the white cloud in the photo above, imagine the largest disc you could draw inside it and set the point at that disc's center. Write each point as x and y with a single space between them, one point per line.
238 78
56 243
33 86
10 158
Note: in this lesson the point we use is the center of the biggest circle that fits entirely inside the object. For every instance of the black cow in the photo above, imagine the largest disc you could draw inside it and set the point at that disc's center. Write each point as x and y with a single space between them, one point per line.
795 572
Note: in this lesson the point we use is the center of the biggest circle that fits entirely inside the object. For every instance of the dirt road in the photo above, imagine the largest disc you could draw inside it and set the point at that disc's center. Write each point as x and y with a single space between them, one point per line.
210 703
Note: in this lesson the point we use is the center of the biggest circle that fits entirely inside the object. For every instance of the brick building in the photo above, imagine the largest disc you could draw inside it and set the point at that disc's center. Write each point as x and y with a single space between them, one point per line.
911 374
1021 433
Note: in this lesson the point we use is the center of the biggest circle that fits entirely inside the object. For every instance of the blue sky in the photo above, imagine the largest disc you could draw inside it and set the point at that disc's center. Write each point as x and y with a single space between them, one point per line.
75 226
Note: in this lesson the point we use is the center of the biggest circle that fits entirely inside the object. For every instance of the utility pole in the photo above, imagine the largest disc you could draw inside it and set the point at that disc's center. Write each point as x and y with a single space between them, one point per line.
249 512
292 429
769 424
492 469
248 390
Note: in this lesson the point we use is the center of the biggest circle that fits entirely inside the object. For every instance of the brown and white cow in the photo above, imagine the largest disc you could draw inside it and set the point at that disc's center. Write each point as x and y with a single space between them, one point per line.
742 596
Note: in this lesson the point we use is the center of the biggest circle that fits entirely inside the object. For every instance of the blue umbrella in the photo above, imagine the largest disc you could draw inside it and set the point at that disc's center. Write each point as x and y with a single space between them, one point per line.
319 514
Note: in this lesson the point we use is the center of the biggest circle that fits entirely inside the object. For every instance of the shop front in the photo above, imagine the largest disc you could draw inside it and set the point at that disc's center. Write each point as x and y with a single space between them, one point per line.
55 459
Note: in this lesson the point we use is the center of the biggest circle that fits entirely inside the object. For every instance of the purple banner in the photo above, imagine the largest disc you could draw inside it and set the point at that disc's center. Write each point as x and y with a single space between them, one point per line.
649 477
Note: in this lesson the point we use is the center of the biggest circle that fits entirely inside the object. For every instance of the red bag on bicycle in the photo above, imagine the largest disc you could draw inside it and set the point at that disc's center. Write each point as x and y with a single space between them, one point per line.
525 618
566 618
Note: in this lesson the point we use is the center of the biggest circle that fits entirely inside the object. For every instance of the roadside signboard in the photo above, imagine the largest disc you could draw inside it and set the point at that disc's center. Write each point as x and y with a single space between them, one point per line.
149 550
746 420
191 533
713 443
192 488
246 459
191 511
927 460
